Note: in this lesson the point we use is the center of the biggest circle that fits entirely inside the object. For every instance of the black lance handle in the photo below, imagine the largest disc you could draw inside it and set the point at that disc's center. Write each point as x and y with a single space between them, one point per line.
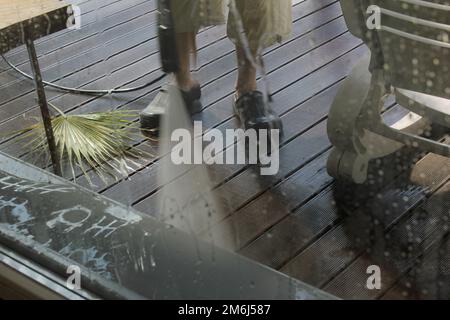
166 37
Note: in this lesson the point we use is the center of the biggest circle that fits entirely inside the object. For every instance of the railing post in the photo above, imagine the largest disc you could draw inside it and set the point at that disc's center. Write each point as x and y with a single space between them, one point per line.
43 104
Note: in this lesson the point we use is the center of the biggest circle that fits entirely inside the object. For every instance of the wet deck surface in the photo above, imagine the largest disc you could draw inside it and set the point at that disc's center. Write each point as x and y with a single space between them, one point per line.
300 221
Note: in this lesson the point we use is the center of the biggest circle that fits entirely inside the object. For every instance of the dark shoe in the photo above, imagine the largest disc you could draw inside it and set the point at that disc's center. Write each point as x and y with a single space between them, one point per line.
255 113
192 99
151 116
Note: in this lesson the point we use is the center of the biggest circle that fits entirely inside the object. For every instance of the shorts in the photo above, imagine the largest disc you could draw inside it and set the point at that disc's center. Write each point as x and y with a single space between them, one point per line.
265 22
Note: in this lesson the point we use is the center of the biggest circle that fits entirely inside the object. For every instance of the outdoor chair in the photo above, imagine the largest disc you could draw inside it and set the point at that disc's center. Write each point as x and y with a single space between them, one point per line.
409 59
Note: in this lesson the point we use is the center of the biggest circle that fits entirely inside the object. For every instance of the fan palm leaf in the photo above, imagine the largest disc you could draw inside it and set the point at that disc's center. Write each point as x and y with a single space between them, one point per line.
102 141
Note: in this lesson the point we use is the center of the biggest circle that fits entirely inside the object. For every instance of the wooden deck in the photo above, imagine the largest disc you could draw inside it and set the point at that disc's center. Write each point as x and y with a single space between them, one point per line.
300 222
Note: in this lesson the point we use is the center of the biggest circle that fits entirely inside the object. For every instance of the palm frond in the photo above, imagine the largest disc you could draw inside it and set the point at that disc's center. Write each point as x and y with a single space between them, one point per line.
103 142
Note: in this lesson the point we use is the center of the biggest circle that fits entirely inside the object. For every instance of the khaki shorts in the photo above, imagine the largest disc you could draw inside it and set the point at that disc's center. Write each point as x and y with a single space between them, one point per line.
265 22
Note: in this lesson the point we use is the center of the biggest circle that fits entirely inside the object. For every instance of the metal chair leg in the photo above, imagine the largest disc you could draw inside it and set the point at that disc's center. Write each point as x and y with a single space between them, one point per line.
43 104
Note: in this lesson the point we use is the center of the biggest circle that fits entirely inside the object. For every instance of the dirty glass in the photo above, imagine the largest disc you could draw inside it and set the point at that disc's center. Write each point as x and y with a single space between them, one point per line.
270 148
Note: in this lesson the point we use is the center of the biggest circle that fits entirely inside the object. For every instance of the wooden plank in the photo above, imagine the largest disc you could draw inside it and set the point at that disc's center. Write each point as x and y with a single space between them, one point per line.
333 252
88 52
428 279
74 67
398 252
95 36
96 76
304 227
65 38
273 205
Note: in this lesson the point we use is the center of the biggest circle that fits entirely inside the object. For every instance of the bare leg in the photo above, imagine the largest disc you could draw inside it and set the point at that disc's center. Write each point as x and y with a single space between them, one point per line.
246 81
185 46
253 111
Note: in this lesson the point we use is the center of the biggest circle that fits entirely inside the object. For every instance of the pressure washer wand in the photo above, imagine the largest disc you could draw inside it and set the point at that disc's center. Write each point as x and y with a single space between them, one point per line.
151 116
166 38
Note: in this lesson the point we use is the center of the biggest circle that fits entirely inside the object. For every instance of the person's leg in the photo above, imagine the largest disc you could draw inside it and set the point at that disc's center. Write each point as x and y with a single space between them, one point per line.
189 16
246 80
263 23
189 87
185 46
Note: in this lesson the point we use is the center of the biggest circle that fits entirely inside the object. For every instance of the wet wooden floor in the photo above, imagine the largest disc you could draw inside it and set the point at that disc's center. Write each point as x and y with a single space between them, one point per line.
300 221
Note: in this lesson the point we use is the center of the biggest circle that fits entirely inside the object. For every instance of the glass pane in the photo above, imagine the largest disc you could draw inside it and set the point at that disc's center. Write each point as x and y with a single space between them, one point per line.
210 139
